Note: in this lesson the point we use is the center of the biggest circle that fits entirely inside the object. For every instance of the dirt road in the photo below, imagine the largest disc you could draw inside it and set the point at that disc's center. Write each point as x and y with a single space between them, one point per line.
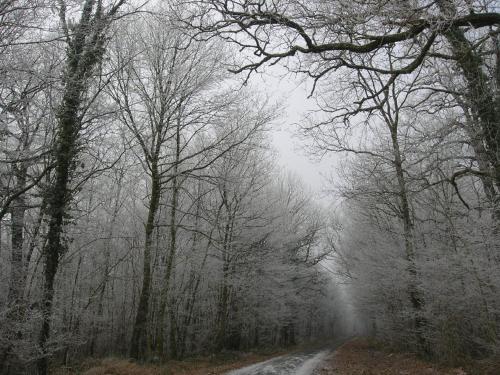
293 364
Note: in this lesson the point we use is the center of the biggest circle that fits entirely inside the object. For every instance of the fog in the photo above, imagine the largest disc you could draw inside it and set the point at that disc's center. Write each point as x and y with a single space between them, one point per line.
172 188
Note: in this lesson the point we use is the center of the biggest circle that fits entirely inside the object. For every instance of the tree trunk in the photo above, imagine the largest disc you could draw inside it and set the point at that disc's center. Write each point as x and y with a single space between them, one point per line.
483 102
58 198
224 298
415 295
82 55
69 327
191 301
15 310
17 240
172 246
138 343
105 276
222 312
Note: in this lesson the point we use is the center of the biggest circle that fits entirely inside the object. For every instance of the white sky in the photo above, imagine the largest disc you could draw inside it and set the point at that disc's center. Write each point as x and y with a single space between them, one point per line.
294 96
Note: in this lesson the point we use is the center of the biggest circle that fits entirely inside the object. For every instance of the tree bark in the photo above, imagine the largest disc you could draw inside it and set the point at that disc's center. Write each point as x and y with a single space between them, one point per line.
415 295
15 309
18 209
482 100
172 247
85 48
138 345
58 199
105 276
225 294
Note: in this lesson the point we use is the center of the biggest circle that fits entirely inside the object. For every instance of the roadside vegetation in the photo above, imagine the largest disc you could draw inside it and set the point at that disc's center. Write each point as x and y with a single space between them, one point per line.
363 356
211 365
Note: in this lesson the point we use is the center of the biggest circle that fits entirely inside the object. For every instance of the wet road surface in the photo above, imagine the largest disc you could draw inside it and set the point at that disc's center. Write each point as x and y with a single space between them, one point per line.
292 364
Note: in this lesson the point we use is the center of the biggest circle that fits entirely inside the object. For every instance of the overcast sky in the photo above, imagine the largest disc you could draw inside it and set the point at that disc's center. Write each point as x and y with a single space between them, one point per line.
294 96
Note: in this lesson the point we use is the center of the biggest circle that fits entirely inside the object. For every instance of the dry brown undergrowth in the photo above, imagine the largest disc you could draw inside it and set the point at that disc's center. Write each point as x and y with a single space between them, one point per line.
199 366
357 357
361 357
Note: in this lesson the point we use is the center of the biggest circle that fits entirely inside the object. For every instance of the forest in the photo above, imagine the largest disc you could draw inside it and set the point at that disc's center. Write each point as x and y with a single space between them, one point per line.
144 212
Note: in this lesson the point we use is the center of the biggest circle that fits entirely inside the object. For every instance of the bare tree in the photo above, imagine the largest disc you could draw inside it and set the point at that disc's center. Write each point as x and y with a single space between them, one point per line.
85 43
159 92
321 38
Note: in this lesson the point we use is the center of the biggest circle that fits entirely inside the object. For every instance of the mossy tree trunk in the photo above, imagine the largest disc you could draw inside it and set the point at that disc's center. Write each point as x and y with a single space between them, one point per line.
85 48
